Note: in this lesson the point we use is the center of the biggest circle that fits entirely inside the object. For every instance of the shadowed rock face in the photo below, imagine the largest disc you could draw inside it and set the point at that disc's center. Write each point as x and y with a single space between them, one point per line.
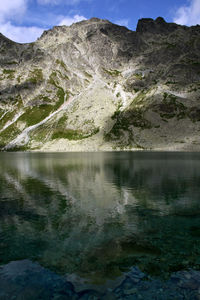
75 86
159 26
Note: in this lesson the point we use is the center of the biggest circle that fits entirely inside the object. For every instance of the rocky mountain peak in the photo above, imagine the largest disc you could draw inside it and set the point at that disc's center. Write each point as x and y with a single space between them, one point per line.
98 85
160 20
159 26
93 22
5 40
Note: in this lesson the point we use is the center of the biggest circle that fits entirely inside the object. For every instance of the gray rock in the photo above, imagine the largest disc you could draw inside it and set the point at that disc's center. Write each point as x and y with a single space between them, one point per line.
94 89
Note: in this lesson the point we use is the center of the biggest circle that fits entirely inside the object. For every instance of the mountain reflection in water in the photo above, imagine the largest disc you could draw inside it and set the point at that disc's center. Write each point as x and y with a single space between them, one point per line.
97 214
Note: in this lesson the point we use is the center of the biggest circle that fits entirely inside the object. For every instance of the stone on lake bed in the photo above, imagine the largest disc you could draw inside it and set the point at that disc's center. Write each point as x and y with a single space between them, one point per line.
28 280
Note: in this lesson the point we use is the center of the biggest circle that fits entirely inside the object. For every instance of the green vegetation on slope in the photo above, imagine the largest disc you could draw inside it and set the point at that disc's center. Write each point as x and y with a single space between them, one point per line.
35 76
36 114
9 133
62 64
72 134
131 116
125 119
16 105
113 73
170 107
7 74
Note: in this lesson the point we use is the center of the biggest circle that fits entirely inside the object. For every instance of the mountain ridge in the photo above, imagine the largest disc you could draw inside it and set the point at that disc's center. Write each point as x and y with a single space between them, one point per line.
96 86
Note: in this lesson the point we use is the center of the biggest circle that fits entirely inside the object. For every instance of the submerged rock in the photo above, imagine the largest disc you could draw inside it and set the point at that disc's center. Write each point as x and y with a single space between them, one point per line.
27 280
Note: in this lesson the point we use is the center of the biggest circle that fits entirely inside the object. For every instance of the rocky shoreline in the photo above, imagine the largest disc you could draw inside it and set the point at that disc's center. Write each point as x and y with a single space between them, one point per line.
28 280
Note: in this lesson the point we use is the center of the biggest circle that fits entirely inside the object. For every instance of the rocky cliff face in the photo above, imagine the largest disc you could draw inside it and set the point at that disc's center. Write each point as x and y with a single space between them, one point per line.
99 86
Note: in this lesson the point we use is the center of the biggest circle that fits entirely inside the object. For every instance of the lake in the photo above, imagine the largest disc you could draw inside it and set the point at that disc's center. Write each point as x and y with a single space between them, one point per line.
92 216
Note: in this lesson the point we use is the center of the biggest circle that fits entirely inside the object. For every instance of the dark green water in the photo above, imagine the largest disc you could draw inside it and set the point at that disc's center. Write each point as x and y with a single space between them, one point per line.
97 214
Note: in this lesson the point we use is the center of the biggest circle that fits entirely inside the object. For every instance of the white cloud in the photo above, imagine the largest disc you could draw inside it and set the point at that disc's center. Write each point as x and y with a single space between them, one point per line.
188 14
20 34
70 20
122 22
12 8
25 34
12 12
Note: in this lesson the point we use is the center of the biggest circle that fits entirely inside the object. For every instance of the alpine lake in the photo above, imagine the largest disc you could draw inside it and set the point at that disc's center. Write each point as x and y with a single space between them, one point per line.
91 217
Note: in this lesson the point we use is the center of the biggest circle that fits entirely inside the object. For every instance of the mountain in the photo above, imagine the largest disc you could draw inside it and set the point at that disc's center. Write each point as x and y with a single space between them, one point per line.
98 86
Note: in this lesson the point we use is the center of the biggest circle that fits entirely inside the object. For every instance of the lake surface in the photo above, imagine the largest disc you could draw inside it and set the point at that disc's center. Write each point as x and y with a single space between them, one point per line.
94 215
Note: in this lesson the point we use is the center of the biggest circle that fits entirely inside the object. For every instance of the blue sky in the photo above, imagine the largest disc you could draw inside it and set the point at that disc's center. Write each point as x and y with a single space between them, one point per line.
25 20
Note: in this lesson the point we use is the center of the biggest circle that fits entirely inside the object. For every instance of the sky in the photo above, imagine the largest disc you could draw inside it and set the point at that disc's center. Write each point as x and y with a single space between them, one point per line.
24 20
